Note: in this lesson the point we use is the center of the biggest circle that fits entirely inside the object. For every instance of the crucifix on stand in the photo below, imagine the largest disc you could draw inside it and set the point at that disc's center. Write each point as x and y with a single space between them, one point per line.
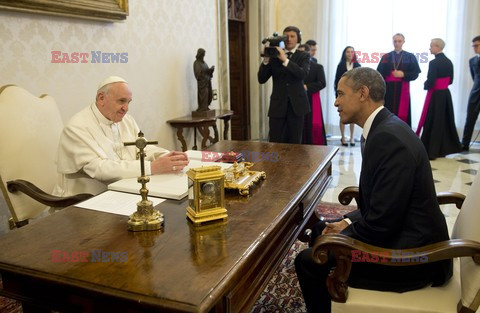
146 217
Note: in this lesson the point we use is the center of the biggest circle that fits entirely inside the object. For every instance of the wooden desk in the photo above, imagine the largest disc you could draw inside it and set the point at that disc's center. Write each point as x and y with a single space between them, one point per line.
214 268
202 124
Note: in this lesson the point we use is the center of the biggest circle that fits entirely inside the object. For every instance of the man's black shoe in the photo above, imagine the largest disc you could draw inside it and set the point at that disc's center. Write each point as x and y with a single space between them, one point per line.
465 147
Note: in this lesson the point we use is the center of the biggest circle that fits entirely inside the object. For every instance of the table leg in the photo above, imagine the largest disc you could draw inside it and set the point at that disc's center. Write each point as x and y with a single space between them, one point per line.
194 138
226 125
181 138
205 131
215 133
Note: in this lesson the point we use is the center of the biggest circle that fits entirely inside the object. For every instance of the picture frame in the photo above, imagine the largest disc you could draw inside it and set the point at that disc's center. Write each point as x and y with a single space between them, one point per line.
103 10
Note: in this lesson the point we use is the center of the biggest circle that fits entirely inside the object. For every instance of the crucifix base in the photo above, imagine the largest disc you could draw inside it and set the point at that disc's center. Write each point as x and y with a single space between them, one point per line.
146 217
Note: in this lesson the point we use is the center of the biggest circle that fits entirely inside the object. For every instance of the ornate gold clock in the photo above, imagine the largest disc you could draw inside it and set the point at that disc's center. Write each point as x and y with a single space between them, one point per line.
206 194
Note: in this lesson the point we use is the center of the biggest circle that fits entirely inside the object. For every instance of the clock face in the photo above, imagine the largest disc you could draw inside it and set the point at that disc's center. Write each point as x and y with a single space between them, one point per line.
208 188
210 196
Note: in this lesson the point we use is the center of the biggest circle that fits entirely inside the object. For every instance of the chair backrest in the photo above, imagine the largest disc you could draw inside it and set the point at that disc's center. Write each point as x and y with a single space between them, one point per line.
466 227
30 129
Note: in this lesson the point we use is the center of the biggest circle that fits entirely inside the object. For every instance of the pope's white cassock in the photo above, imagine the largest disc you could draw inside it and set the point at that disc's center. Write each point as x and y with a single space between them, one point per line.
91 154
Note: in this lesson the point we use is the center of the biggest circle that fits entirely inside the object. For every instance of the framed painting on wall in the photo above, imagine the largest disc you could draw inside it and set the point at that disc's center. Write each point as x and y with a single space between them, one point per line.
104 10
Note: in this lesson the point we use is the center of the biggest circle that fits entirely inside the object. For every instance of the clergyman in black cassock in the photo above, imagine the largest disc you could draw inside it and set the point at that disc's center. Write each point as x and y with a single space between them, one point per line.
314 131
397 96
439 134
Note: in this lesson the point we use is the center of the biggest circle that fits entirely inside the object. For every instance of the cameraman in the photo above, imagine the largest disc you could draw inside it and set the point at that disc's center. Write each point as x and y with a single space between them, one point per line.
289 101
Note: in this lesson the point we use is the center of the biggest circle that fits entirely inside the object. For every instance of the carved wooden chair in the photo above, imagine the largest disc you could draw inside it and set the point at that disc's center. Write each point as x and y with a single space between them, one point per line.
30 129
460 294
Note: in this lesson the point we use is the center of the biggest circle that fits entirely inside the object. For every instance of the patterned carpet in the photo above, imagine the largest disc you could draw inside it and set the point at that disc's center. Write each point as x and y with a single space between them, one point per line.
282 293
8 305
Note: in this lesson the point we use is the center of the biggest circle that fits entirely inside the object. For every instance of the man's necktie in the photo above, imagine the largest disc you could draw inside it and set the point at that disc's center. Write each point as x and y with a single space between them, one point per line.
362 144
289 54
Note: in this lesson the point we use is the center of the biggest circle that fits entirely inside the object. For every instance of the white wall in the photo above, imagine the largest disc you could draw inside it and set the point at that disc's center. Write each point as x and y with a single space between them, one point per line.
161 38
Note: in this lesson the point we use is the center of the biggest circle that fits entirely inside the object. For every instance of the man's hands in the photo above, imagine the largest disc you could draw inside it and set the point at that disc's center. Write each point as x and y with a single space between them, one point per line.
172 162
282 56
398 74
334 228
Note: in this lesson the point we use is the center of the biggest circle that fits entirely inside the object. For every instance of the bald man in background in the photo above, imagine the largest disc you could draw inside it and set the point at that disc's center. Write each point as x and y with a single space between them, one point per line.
91 153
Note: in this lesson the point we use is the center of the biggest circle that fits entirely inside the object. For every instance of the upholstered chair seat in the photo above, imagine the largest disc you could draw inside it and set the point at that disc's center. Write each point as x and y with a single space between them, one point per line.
30 129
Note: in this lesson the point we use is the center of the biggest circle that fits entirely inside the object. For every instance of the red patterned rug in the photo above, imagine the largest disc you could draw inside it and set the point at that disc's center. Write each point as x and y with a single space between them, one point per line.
8 305
282 293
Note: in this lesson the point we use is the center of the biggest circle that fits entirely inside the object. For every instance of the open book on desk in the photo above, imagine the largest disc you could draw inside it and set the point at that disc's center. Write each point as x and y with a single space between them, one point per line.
170 186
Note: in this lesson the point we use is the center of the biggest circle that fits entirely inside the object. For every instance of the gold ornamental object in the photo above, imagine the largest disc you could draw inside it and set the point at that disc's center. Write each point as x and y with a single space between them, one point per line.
206 194
146 217
240 177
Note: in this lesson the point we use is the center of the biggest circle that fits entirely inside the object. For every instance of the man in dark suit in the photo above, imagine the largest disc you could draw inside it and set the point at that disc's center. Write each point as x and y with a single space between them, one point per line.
313 49
474 99
288 102
397 207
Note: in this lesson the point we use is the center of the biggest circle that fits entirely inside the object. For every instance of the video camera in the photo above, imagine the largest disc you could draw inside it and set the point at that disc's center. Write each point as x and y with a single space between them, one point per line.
275 41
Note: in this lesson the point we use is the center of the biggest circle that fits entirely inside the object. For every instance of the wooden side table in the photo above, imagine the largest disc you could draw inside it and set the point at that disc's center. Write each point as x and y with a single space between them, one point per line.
202 124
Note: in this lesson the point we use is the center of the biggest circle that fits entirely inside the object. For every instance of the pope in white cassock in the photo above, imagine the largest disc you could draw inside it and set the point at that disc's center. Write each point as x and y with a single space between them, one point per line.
91 153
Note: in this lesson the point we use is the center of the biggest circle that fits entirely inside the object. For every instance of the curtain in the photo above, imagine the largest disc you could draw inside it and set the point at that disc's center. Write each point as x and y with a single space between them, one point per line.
369 26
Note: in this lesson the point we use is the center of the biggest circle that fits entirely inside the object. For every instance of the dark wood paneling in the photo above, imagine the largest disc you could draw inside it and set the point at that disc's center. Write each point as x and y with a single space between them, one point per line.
239 93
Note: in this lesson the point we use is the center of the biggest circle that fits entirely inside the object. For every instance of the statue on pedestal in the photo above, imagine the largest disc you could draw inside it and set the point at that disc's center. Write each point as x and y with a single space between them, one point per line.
204 75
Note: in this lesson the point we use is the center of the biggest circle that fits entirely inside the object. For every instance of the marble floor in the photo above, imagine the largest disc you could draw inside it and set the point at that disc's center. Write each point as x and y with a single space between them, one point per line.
453 173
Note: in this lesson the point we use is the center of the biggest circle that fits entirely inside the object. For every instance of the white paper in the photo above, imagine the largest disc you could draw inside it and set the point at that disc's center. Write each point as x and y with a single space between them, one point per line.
170 186
116 202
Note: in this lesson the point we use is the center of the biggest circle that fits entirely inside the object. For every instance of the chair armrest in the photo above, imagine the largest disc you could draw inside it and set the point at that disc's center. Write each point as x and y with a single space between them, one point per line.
41 196
347 194
450 197
347 250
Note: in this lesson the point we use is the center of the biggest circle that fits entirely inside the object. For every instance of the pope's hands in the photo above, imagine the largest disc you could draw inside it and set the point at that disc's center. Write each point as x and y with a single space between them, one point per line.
172 162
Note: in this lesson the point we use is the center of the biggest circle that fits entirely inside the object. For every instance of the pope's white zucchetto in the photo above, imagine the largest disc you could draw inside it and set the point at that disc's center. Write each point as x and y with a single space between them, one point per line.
111 80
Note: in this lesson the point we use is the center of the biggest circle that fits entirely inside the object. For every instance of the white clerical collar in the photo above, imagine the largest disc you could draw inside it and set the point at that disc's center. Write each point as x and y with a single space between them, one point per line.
369 121
101 119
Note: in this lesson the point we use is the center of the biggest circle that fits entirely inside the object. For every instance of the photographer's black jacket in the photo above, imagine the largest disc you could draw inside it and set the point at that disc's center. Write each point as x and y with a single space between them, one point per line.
288 84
